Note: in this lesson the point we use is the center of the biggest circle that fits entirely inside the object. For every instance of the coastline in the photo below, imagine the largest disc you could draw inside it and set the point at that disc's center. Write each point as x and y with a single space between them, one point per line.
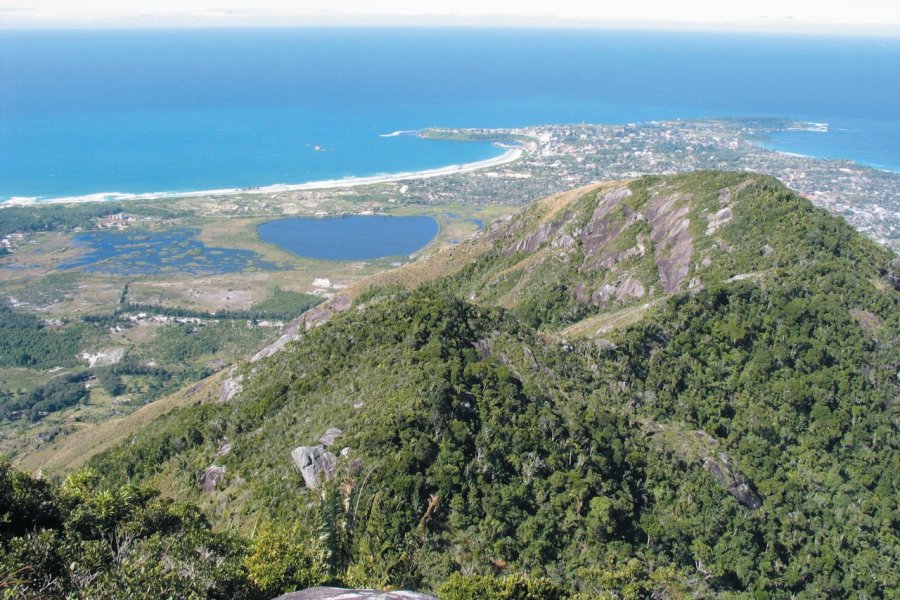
511 154
771 144
874 167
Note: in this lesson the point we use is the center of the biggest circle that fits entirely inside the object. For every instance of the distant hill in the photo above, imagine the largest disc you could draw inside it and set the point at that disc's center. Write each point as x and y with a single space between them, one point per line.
673 386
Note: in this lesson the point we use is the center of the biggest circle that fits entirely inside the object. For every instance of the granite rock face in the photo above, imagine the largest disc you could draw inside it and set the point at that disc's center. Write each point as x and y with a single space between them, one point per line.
671 236
612 240
211 478
315 464
534 240
720 468
330 593
312 318
231 387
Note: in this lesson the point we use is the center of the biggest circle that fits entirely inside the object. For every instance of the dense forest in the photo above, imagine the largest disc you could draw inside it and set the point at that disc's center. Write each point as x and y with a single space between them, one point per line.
65 217
25 341
738 437
27 219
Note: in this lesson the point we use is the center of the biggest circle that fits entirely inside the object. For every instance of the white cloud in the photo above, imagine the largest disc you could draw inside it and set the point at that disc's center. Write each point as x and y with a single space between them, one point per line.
883 13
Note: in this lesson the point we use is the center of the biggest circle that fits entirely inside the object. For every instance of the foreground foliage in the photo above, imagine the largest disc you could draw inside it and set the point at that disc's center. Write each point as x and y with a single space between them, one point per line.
83 541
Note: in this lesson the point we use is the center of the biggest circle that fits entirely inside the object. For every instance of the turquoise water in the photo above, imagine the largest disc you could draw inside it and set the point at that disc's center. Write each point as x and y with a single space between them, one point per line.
873 142
350 238
139 111
175 250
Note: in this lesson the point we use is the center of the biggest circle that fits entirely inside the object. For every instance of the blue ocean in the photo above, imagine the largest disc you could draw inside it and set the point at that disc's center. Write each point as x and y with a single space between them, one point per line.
140 111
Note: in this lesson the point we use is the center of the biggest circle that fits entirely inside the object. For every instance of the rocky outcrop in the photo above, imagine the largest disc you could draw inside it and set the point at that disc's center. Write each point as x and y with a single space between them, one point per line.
504 227
630 287
722 217
276 346
582 293
231 387
483 349
331 593
671 236
608 259
720 468
315 463
610 238
224 450
701 448
601 296
604 226
328 438
311 318
532 241
211 477
103 358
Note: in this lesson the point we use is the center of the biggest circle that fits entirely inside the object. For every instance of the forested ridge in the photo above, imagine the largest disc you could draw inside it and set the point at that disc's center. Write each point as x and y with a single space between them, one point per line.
737 437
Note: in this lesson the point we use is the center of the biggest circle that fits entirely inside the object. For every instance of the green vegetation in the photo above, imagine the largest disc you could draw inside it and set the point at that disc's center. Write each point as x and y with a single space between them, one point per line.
282 560
148 383
181 342
79 540
740 439
177 354
66 217
58 393
283 304
55 217
279 305
516 587
48 290
26 342
472 136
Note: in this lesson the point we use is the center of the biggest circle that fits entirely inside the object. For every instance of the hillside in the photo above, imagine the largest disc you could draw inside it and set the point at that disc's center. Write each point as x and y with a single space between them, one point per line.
671 386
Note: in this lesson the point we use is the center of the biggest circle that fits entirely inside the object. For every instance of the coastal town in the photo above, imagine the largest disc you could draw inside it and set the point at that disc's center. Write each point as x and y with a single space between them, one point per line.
562 157
539 161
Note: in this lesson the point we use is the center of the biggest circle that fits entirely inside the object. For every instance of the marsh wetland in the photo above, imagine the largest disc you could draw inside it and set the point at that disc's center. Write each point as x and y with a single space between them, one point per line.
138 299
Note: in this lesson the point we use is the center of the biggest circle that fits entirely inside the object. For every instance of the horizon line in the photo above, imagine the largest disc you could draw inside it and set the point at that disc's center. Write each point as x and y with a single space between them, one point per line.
758 26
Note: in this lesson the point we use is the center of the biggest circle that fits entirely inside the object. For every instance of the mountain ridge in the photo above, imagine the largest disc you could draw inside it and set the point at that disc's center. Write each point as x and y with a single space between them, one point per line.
514 406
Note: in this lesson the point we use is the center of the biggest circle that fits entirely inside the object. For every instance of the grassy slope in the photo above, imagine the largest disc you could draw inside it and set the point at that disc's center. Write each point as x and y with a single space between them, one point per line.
76 449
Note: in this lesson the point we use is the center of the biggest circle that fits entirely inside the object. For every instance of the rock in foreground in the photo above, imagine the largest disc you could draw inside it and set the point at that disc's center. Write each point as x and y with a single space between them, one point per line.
331 593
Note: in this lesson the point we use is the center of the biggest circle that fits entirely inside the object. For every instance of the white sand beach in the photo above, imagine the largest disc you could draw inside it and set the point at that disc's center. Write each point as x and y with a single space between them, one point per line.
512 154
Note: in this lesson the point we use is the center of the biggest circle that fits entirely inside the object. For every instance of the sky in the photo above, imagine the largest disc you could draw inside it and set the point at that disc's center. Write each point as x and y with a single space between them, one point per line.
877 16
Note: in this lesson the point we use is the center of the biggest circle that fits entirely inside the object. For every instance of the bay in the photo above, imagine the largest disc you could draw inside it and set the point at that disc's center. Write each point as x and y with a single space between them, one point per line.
143 111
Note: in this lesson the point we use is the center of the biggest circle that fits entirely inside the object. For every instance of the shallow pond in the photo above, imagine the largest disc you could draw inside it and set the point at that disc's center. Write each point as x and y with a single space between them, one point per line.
141 252
357 237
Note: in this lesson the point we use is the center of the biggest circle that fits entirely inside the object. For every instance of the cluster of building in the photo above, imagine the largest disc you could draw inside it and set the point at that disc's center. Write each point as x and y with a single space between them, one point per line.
117 221
8 242
565 156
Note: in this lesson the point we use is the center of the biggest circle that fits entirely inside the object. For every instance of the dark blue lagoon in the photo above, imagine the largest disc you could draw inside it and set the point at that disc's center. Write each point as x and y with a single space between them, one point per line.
177 250
352 237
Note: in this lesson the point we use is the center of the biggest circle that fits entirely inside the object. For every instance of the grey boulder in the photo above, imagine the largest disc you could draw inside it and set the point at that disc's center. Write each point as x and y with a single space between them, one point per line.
315 464
331 593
